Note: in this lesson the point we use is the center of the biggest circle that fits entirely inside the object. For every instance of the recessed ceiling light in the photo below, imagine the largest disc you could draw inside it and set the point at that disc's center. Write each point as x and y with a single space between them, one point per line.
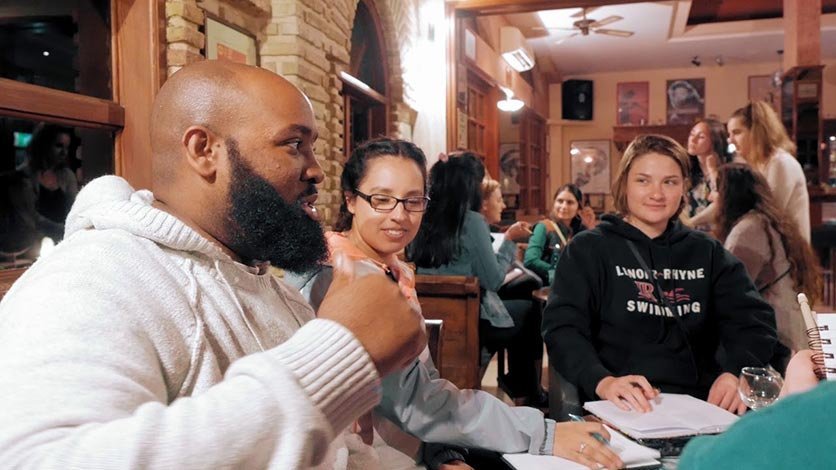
46 53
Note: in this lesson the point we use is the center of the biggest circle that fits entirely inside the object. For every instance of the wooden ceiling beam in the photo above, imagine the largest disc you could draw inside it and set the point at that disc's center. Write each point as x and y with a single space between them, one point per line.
503 7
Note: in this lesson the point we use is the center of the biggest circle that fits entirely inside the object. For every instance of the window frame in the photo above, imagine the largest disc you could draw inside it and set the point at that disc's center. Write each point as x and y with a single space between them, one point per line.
138 70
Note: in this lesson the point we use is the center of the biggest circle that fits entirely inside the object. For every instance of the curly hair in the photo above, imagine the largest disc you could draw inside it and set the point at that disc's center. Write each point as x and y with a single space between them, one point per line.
742 189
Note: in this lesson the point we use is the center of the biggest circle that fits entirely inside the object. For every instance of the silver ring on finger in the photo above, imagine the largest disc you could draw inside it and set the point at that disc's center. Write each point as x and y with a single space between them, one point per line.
582 448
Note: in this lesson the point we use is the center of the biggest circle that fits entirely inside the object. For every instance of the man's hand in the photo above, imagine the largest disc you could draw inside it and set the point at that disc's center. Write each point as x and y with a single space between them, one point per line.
628 392
723 393
375 310
574 441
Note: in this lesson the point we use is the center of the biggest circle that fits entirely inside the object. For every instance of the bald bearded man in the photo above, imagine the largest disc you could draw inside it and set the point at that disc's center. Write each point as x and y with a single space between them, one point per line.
154 337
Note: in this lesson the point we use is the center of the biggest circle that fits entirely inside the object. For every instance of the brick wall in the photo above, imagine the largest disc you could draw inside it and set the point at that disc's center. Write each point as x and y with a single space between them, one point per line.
308 42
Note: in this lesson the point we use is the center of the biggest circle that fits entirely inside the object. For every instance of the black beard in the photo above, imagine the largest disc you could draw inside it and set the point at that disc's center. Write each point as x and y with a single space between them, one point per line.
262 226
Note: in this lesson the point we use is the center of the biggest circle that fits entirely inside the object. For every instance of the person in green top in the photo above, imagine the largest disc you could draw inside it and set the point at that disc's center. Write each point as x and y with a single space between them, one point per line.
795 432
550 236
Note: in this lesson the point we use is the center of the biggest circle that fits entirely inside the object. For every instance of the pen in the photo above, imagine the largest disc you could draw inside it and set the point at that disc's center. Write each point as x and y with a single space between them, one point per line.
598 437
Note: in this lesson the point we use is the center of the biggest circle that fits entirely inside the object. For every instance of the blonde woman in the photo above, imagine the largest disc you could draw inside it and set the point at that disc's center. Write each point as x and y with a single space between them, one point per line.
760 138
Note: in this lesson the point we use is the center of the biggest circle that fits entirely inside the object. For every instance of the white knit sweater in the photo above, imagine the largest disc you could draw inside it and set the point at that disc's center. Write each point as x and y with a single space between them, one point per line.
126 347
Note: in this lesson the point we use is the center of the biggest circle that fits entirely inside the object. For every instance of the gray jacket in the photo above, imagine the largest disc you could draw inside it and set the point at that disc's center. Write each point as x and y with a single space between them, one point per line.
432 409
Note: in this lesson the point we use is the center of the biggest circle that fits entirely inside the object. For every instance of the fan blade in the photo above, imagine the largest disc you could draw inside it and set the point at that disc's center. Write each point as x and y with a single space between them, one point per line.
542 28
614 32
606 21
562 40
583 11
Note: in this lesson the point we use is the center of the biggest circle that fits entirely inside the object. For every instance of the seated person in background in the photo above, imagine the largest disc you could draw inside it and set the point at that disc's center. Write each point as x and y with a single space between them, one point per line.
384 196
520 281
794 432
641 303
154 336
454 239
708 148
18 218
766 239
49 161
550 236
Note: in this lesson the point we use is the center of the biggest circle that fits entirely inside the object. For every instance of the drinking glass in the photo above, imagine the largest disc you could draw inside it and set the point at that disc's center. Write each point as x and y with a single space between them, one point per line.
759 386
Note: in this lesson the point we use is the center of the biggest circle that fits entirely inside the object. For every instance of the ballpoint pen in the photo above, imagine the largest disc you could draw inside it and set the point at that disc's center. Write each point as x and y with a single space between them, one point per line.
598 437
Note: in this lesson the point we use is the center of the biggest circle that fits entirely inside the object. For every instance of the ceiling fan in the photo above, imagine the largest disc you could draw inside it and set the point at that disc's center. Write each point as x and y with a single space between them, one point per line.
584 25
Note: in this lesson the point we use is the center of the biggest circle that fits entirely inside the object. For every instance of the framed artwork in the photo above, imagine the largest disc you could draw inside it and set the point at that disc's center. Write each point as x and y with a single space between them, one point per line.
686 100
230 43
596 202
590 165
632 103
761 88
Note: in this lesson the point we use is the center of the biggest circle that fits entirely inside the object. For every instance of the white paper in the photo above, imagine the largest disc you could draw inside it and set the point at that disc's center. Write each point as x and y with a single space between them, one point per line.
828 336
498 238
632 454
673 415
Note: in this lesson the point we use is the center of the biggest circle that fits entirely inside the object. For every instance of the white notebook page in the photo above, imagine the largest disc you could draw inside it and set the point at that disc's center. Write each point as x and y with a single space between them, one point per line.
672 415
632 454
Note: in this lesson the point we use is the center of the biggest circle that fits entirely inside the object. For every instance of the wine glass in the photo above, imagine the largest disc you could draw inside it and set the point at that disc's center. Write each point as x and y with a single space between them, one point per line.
759 387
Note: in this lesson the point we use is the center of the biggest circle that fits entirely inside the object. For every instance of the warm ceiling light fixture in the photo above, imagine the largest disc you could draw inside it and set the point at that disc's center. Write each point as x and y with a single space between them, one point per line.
509 104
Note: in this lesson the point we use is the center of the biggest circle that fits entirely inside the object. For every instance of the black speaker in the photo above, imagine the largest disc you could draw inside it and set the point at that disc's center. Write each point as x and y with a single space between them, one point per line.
577 100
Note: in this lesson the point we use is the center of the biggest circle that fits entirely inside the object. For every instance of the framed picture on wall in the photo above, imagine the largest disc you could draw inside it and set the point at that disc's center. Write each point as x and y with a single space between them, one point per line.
632 103
686 100
590 165
230 43
761 89
596 202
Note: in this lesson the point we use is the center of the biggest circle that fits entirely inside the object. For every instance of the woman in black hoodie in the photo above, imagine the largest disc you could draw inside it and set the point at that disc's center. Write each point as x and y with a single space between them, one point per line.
607 329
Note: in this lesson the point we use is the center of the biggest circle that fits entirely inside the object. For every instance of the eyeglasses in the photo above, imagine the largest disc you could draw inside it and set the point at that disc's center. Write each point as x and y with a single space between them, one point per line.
384 203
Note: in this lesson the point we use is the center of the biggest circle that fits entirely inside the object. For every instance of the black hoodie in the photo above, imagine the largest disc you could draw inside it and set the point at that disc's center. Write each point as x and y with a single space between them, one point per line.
604 317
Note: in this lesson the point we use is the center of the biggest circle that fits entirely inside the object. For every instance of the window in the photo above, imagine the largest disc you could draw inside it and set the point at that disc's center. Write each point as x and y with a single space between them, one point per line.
365 92
533 162
64 68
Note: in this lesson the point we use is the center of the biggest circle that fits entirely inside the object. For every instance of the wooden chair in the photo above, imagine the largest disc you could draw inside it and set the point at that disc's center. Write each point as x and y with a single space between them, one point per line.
455 301
435 337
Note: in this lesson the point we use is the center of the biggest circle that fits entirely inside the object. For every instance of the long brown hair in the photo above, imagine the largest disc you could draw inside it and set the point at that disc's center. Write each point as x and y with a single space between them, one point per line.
766 132
743 189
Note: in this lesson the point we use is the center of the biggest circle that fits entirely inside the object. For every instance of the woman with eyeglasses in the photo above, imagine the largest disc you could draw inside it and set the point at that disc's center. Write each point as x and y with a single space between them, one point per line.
383 201
455 240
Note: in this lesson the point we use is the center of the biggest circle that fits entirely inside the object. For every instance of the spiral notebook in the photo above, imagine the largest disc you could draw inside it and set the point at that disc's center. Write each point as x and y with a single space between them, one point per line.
821 340
673 415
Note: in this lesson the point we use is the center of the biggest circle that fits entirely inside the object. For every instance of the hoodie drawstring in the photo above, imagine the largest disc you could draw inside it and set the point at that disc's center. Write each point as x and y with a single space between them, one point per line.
231 292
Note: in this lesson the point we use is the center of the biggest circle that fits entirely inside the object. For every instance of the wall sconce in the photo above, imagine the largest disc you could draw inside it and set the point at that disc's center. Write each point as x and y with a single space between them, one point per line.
509 104
719 61
696 62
